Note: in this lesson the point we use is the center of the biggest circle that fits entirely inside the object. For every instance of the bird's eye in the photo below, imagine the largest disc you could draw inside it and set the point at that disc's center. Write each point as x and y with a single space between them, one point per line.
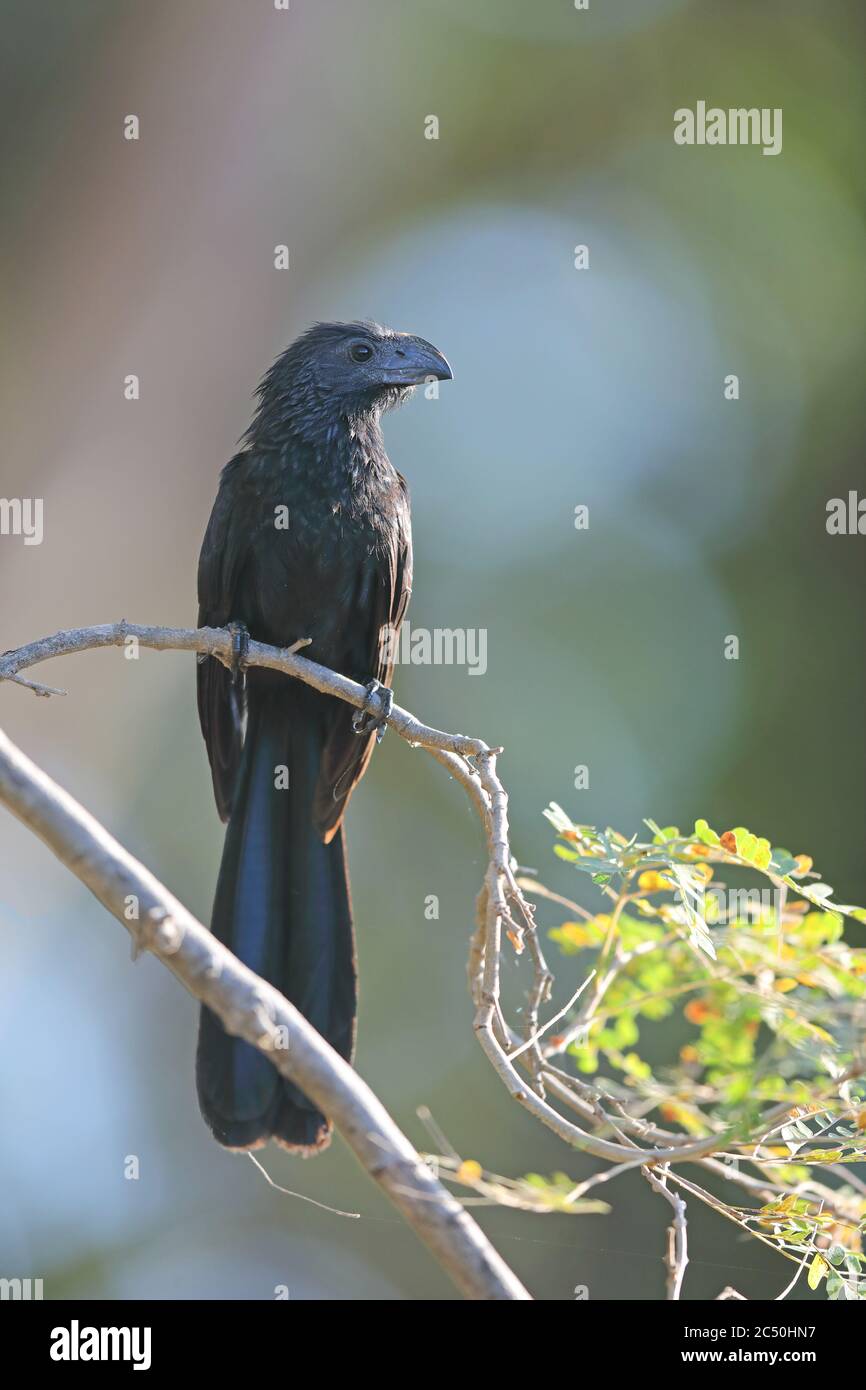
360 352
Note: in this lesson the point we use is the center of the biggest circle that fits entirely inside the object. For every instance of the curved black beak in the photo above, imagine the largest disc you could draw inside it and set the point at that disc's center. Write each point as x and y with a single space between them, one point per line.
412 361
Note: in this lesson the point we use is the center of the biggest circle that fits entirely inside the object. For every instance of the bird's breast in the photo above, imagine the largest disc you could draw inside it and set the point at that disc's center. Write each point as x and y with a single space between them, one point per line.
311 572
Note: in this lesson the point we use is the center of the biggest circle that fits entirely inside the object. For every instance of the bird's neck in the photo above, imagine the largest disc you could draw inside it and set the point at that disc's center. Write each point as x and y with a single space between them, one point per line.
345 445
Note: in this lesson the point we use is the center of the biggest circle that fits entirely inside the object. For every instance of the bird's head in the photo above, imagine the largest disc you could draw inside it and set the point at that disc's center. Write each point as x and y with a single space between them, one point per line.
346 370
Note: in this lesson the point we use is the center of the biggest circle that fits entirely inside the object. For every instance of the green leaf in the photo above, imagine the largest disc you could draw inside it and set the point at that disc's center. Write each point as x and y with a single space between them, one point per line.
586 1057
625 1031
705 834
782 863
589 865
669 832
762 855
563 852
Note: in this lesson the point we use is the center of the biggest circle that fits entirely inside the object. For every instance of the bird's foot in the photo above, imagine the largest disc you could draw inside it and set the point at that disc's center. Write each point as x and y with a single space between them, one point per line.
240 647
373 717
237 667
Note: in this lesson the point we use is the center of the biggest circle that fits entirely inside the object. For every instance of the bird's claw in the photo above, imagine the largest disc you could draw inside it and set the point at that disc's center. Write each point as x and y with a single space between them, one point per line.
373 717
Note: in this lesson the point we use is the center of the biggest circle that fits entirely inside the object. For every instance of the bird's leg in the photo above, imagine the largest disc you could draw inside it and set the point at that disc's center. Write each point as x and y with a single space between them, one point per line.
240 647
374 714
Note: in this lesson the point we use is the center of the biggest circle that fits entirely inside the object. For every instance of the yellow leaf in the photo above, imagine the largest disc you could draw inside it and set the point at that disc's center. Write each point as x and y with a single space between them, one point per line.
785 983
820 1033
817 1269
683 1115
652 882
646 907
762 854
575 933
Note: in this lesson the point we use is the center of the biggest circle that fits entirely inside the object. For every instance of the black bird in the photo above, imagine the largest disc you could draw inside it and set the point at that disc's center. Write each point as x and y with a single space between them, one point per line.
309 538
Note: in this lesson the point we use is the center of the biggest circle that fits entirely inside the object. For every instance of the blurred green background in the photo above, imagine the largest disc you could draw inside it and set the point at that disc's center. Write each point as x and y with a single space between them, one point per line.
601 387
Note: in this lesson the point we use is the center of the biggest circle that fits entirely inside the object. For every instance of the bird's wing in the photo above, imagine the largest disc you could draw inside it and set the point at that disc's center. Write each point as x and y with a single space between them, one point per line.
383 602
220 696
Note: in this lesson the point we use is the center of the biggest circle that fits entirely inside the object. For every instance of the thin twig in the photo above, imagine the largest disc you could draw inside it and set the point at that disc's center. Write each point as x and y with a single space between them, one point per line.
287 1192
550 1022
677 1256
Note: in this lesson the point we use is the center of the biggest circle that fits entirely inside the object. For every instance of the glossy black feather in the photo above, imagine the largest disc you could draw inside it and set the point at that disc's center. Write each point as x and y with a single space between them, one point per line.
282 905
309 538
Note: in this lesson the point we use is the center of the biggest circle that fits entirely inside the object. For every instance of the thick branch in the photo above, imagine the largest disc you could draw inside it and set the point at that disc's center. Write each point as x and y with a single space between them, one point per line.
252 1009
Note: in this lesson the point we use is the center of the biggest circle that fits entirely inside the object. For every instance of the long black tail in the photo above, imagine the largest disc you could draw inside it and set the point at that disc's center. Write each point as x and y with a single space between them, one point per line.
283 907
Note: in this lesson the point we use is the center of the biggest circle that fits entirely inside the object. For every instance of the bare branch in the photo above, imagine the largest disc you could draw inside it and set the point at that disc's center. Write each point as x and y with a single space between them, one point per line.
253 1010
677 1256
